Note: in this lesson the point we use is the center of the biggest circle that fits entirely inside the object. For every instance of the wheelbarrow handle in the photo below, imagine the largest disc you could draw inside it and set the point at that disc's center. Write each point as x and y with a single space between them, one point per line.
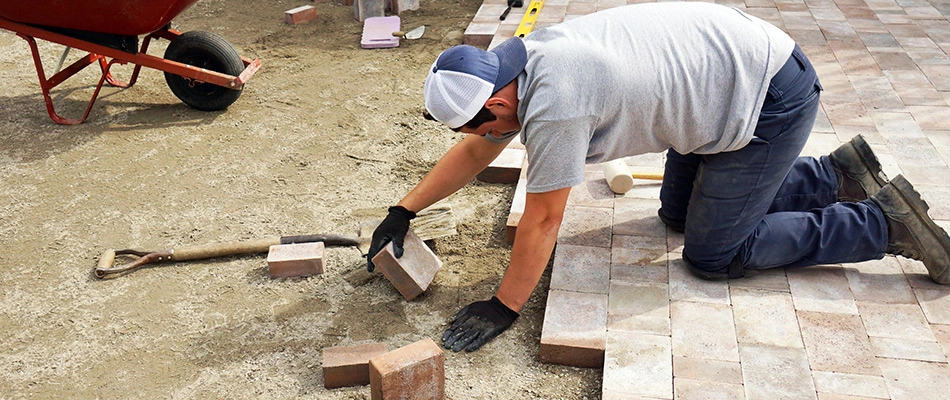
105 268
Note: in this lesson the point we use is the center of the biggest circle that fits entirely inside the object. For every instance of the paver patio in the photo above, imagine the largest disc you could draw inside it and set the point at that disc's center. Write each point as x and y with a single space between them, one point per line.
878 329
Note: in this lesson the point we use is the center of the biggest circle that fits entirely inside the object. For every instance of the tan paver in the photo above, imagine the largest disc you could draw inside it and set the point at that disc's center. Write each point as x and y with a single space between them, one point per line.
837 342
899 321
765 318
717 338
935 304
637 365
776 373
581 269
586 226
850 384
641 307
687 389
908 349
700 369
879 281
821 288
685 286
916 380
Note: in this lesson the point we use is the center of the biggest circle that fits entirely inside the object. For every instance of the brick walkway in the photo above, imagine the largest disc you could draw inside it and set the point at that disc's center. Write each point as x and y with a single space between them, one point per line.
876 329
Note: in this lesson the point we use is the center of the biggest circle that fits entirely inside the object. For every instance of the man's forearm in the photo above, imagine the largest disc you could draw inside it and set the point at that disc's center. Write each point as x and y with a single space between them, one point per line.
534 242
453 171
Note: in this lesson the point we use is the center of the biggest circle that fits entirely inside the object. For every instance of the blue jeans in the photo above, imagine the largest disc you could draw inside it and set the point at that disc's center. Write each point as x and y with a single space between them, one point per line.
763 206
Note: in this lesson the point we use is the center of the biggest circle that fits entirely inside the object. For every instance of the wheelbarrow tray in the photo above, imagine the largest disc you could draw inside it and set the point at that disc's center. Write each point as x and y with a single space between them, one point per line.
119 17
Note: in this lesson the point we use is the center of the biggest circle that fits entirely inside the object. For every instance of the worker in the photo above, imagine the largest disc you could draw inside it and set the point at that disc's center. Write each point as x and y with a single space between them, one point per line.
730 98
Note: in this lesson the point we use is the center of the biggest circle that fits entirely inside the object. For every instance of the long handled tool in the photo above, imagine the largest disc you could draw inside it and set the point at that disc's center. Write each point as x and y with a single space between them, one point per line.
105 269
434 222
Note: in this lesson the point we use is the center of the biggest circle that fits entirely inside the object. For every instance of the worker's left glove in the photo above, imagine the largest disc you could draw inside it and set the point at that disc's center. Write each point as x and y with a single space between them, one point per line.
393 229
478 323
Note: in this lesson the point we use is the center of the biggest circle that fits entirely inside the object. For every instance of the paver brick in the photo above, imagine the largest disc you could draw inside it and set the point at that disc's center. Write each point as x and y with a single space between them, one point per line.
638 365
935 304
300 14
639 307
879 281
637 217
594 192
581 269
414 371
765 317
575 329
516 211
837 342
295 260
850 384
413 272
586 226
715 341
688 389
506 168
899 321
349 365
821 288
776 373
700 369
908 349
915 380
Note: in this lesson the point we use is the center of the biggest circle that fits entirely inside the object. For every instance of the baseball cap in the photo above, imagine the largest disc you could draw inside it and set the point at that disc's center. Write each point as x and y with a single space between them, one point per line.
464 77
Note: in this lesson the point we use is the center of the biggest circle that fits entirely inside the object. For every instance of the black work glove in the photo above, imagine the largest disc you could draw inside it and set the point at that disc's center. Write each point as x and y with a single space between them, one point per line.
478 323
392 229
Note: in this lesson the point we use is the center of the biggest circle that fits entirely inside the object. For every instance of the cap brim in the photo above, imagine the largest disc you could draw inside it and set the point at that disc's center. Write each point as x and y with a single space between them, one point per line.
512 58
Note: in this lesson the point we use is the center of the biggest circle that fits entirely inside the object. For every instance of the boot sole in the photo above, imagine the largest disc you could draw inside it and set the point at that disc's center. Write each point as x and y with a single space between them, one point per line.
938 236
870 160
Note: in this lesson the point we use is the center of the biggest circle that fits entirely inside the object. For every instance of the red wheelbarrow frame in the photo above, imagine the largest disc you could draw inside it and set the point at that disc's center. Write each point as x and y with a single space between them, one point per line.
101 54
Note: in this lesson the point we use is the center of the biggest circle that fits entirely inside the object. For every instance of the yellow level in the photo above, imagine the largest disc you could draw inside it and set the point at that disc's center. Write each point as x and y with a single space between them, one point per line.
530 15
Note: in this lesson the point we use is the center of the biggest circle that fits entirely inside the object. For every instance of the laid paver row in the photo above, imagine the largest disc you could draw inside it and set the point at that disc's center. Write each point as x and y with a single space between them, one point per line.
878 329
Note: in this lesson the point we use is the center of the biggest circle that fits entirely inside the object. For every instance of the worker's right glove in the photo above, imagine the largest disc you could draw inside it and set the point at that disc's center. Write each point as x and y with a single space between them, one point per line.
393 229
478 323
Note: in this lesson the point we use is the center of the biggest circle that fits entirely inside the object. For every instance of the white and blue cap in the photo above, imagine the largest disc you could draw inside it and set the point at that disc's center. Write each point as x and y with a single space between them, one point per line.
464 77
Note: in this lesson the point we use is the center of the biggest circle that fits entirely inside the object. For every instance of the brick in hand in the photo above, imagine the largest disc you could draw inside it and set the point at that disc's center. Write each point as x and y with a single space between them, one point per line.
412 273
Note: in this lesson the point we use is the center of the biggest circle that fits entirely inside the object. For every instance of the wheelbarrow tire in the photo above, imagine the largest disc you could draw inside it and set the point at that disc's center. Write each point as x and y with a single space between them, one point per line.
209 51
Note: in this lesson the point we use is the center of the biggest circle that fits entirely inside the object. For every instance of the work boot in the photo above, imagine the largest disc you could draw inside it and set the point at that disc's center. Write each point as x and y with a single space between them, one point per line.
859 172
911 232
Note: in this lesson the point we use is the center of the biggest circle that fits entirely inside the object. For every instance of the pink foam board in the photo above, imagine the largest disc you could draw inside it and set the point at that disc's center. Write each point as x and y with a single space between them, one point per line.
378 32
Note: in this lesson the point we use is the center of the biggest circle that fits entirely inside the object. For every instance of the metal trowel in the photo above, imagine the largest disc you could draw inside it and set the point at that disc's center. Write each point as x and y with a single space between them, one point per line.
411 35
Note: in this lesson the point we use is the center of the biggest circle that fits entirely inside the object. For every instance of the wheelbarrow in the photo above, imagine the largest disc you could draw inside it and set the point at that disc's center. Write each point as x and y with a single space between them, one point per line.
201 68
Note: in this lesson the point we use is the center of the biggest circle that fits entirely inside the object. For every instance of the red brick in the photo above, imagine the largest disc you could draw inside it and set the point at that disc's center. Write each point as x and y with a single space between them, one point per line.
300 15
412 273
415 371
349 365
575 329
517 210
506 168
295 260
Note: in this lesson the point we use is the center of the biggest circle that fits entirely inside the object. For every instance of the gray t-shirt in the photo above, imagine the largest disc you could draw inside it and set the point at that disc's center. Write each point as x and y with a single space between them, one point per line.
642 79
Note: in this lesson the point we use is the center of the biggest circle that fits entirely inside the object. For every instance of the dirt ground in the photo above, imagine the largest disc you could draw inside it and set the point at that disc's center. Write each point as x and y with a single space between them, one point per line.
326 135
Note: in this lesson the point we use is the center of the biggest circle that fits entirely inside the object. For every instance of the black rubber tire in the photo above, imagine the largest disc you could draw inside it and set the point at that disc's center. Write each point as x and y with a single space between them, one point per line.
209 51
